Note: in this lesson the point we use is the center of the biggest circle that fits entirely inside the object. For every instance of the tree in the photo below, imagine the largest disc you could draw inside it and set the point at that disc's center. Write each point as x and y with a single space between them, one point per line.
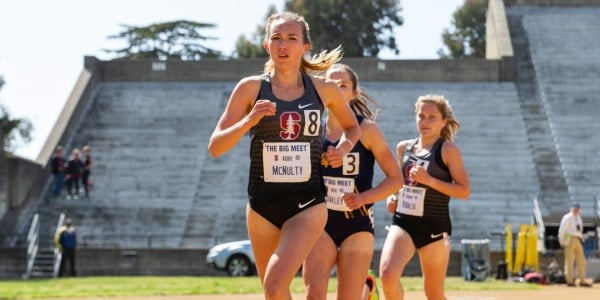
362 27
252 47
170 40
467 37
13 128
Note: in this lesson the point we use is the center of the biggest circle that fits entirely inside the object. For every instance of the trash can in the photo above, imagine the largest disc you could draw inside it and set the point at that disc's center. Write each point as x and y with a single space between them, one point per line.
475 262
590 246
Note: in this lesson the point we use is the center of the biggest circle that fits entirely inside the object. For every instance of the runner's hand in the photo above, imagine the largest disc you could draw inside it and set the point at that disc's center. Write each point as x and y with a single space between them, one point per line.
391 203
352 200
334 157
261 109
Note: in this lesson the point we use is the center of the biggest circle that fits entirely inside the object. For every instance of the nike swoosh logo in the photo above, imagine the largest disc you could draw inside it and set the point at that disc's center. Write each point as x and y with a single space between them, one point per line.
300 106
435 236
303 205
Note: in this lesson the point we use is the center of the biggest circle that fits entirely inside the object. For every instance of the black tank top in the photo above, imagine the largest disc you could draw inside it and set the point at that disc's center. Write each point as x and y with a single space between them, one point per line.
436 203
285 149
358 165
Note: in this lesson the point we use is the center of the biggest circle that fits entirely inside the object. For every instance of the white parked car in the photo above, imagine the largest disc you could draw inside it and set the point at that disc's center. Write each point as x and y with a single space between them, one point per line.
234 257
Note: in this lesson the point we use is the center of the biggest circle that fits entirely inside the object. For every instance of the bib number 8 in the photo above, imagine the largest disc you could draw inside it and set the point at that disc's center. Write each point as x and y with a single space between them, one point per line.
312 124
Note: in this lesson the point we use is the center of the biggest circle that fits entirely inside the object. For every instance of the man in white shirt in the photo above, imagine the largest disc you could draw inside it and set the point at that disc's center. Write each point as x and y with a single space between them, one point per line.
570 236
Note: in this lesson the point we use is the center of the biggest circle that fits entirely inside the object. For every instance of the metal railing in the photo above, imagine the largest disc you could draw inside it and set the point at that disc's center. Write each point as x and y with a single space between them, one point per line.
57 252
32 244
539 220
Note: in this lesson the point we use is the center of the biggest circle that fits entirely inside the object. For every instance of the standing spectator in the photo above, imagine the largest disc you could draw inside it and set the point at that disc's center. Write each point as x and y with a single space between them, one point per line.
87 170
348 239
73 173
282 110
433 171
570 236
58 170
65 240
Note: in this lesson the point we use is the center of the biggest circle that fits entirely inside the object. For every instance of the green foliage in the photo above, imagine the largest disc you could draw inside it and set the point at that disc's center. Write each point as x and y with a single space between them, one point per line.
245 48
14 129
467 37
252 47
362 27
169 40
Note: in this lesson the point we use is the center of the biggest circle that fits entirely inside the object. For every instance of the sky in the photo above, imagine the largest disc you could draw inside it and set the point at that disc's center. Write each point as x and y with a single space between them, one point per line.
43 43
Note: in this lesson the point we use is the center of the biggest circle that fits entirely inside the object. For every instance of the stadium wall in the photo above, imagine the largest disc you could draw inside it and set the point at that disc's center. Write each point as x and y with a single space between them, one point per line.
370 69
191 262
553 2
13 262
22 181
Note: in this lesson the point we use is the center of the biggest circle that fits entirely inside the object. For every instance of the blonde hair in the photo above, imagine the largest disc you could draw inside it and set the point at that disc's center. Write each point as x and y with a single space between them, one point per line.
363 104
317 63
452 126
75 153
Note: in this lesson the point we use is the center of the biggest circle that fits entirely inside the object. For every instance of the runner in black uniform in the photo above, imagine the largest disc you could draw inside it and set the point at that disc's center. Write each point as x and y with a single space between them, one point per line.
348 239
433 171
353 177
285 154
282 112
434 223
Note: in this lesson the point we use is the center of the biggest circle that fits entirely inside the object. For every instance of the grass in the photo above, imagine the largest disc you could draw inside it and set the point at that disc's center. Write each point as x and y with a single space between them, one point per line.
165 285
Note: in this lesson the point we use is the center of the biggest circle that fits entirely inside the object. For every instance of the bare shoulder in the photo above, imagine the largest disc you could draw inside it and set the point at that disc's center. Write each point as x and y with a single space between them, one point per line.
324 85
319 80
369 126
371 134
249 82
247 89
327 89
402 144
451 153
450 147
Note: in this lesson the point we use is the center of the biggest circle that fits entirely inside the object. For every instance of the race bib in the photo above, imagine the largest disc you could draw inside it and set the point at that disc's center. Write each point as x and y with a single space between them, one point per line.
411 201
351 163
336 188
313 122
286 162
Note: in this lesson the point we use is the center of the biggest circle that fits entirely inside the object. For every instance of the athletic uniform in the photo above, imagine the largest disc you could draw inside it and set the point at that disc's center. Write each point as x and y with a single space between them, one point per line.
285 152
422 211
355 175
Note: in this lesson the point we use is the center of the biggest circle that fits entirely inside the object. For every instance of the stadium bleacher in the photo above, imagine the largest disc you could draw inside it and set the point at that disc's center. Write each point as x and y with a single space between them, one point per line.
565 52
149 141
154 178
